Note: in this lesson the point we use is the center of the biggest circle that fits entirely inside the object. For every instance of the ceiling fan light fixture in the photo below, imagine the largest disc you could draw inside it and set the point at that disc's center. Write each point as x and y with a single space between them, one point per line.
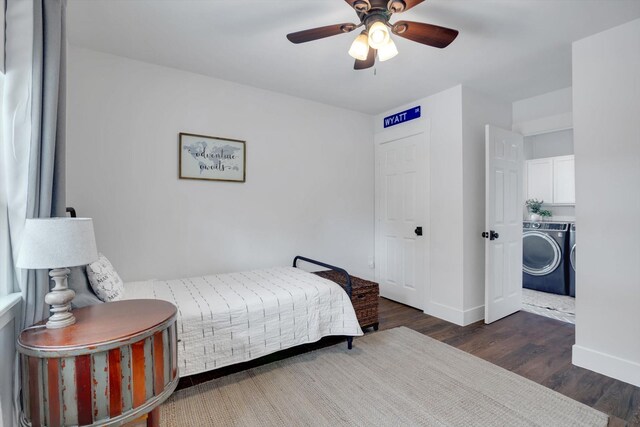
396 6
362 6
378 34
360 47
375 38
387 51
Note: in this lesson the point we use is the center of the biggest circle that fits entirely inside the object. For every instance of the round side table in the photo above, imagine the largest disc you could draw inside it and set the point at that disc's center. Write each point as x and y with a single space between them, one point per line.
115 364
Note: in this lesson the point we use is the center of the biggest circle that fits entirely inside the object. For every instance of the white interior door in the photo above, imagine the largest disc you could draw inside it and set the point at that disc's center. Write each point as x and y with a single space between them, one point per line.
503 231
401 229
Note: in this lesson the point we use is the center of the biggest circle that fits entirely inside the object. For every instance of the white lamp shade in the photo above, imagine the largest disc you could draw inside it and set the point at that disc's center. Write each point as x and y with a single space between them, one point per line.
378 35
388 51
360 48
57 243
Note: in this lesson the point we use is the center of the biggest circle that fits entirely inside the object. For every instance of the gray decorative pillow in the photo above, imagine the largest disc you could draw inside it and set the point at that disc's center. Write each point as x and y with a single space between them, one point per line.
104 280
79 282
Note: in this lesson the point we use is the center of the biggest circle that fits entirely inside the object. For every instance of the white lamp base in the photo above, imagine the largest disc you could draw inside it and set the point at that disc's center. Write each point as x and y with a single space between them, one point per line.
60 299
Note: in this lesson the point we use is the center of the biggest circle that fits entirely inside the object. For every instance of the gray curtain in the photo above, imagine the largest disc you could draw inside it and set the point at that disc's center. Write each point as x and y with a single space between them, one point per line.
32 150
46 186
35 151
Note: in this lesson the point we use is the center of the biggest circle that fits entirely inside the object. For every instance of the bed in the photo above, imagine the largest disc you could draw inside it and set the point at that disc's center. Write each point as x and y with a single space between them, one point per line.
230 318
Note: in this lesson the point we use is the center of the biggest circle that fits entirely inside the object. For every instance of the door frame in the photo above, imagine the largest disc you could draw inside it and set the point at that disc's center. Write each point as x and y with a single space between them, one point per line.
405 130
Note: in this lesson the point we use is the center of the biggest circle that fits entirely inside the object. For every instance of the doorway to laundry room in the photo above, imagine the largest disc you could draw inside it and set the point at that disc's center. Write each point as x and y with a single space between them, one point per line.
549 228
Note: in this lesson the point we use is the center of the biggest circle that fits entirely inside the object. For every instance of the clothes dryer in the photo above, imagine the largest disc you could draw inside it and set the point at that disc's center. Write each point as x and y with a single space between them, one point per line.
572 259
544 264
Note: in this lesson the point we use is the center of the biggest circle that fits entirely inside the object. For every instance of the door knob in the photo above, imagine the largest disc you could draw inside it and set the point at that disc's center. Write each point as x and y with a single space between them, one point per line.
492 235
418 231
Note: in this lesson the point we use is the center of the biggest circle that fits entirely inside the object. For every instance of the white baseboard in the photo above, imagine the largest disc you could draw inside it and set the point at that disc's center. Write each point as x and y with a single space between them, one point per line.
473 315
606 364
454 315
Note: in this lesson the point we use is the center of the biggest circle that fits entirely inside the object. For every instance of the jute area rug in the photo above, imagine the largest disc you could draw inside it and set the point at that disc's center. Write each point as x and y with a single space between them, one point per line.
390 378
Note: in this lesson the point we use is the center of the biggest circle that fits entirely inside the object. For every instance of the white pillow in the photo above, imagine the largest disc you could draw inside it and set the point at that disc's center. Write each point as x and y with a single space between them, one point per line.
104 280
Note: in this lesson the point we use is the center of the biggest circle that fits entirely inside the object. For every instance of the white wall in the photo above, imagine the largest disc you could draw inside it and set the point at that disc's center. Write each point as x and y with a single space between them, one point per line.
309 187
444 111
478 110
544 105
551 144
456 198
548 112
606 102
546 121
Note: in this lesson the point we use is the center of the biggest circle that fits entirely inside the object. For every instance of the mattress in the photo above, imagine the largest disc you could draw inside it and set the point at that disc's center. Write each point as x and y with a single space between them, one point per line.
230 318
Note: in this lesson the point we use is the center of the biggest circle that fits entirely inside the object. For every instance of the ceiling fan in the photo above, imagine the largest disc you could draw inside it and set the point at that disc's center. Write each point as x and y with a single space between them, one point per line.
375 38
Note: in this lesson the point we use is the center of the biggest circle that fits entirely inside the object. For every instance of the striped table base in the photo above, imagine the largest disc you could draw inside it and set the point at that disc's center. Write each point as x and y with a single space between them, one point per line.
103 385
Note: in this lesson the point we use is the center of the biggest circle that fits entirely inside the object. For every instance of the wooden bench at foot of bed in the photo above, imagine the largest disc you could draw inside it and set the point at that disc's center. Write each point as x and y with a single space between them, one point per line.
364 297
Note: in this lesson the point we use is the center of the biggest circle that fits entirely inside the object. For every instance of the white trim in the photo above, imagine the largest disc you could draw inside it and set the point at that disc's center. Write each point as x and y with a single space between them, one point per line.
454 315
472 315
545 124
606 364
8 308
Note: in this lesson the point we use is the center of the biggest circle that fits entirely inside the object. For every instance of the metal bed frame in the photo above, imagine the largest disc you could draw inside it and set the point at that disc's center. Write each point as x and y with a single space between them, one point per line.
348 288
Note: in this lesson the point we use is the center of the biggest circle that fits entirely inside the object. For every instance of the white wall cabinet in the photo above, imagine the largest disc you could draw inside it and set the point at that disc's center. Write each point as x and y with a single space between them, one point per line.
551 179
539 179
564 180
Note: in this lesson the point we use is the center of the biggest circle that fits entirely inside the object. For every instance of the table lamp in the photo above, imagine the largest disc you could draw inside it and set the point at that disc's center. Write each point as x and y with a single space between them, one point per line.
58 243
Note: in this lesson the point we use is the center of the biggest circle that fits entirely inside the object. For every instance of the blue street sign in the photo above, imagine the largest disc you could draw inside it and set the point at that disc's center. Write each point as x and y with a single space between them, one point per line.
401 117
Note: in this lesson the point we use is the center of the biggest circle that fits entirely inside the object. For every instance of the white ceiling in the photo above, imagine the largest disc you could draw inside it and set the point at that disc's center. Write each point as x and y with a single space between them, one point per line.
509 49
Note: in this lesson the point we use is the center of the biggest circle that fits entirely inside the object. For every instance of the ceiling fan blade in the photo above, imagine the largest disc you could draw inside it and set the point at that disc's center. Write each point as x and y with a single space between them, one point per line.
431 35
320 32
367 63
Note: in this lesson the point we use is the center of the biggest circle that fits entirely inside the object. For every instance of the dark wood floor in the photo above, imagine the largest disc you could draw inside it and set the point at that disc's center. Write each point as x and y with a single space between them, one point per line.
533 346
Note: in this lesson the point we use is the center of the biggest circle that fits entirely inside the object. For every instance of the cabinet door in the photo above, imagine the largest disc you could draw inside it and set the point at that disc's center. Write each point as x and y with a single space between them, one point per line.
564 181
540 179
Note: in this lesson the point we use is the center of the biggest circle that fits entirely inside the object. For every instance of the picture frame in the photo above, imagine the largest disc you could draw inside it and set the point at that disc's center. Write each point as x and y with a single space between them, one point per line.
211 158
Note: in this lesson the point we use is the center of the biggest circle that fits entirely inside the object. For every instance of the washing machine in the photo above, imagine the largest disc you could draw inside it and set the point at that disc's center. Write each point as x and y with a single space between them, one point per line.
544 249
572 259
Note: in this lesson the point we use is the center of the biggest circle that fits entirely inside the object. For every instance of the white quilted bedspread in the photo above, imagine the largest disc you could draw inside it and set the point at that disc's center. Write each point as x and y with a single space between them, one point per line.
230 318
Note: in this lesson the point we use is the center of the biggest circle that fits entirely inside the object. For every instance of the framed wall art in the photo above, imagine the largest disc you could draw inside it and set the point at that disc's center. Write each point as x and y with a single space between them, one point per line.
211 158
